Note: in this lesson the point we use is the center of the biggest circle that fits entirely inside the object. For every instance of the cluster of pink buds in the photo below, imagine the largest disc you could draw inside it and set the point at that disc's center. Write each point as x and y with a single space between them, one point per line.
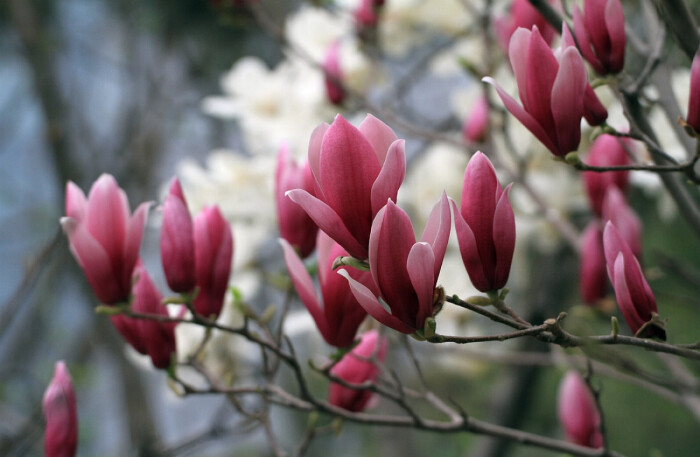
61 414
578 413
196 254
358 367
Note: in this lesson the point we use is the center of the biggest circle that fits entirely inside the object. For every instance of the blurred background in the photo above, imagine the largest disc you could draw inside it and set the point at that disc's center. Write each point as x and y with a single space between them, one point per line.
116 86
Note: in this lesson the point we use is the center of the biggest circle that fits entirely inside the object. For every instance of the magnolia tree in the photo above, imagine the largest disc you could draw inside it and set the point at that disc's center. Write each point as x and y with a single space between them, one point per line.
451 220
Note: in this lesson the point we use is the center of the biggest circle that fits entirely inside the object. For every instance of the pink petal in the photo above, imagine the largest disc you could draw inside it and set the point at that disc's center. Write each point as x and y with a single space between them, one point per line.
374 244
132 242
693 117
328 221
469 251
503 239
523 116
315 150
584 41
370 303
421 270
390 177
623 295
305 287
567 100
542 68
615 24
61 415
324 245
379 135
76 204
518 53
437 231
106 216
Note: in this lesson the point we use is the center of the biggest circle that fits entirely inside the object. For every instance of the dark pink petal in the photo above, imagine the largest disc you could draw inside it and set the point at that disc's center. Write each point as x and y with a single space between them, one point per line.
177 242
567 100
61 415
542 68
469 251
593 110
324 246
390 177
305 287
642 296
333 74
370 303
130 330
523 116
503 239
578 413
592 274
374 241
349 167
379 135
615 24
328 221
421 270
584 41
693 117
437 231
594 19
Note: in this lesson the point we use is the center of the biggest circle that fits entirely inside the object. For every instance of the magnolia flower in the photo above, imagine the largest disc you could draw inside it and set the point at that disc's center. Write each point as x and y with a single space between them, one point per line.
633 294
404 271
485 226
149 337
295 225
578 413
693 118
177 241
600 32
341 314
523 14
356 367
592 274
104 236
476 125
213 255
60 411
552 90
606 151
357 170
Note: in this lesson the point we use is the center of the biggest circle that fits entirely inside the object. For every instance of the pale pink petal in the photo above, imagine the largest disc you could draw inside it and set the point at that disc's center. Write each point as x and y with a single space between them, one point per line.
437 230
76 204
106 216
379 135
517 53
314 153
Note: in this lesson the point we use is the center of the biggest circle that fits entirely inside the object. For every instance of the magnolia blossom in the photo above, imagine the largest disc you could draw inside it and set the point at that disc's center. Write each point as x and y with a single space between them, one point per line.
60 411
357 170
592 274
104 236
357 367
295 225
148 337
404 271
693 117
213 255
552 90
634 296
341 314
523 14
578 413
485 226
177 241
600 32
606 151
476 125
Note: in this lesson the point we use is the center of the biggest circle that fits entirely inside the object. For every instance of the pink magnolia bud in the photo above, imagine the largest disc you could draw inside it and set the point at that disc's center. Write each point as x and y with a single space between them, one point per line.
357 367
60 411
552 90
485 226
104 237
333 75
578 413
295 225
523 14
341 314
606 151
213 243
623 217
177 241
365 14
404 271
148 337
693 118
356 171
633 294
600 32
593 277
476 125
